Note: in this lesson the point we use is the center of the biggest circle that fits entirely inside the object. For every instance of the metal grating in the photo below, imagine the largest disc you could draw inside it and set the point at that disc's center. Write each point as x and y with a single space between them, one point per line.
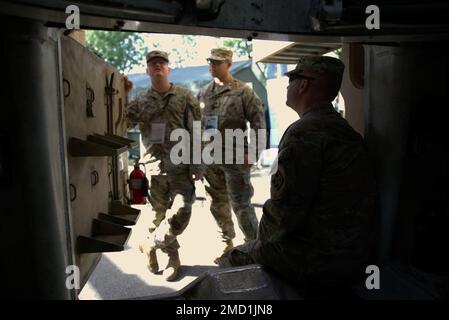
290 53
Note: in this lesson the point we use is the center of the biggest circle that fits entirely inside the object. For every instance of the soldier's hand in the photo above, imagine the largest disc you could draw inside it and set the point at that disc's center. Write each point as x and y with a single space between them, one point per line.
128 85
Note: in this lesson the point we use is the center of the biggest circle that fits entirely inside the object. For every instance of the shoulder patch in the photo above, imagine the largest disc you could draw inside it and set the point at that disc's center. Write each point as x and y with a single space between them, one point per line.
278 184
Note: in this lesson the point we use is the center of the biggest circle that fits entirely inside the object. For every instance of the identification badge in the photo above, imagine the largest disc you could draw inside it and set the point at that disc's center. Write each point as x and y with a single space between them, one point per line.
157 134
211 124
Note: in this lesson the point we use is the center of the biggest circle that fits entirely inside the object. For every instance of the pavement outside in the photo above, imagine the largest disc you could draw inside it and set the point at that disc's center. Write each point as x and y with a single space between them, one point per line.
124 275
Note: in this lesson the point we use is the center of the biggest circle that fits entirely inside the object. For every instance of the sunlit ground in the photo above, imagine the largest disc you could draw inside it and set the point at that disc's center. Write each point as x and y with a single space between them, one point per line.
124 275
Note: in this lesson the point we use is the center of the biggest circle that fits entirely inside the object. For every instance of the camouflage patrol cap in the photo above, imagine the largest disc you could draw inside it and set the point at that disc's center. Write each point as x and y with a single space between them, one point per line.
319 65
157 54
220 54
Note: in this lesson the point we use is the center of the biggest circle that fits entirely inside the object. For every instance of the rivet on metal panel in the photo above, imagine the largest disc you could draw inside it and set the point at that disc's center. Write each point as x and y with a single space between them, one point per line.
257 20
257 5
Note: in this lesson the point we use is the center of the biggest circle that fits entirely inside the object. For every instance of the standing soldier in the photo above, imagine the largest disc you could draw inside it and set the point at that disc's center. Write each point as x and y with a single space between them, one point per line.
230 104
160 110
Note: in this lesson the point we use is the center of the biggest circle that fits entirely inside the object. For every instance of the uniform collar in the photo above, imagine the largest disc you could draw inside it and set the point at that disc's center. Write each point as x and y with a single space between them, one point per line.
154 94
220 88
319 108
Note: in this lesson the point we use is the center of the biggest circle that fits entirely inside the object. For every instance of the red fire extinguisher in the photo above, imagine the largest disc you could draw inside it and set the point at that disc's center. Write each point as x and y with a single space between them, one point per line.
138 185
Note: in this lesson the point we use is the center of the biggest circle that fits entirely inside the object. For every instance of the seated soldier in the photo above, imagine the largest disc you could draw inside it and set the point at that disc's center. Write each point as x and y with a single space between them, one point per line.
316 227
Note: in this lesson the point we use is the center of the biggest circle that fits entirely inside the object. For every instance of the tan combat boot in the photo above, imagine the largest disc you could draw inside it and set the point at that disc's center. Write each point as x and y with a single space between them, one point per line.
154 266
171 271
152 257
159 217
229 246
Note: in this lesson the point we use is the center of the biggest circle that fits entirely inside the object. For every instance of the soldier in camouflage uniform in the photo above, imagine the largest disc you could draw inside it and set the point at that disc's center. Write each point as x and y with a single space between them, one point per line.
160 110
228 103
316 226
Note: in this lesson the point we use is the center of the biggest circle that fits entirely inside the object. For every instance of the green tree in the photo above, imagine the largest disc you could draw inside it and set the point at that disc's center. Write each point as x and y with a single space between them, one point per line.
123 50
241 47
180 55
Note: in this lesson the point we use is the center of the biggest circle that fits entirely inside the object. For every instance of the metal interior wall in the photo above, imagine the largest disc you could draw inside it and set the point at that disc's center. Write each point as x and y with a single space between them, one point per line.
405 101
35 229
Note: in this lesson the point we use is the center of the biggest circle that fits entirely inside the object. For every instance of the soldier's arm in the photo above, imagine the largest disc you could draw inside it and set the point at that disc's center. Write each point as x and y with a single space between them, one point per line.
133 113
254 113
194 116
294 186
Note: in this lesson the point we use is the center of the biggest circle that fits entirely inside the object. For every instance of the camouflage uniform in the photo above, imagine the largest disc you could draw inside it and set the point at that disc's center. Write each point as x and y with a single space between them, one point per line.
315 228
175 109
233 104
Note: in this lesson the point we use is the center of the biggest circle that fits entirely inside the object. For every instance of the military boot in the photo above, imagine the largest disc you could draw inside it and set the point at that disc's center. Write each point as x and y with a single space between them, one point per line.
144 248
229 246
153 266
171 271
152 257
159 217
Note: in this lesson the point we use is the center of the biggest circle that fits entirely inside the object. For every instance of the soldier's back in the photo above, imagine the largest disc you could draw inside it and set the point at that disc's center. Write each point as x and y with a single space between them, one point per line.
324 204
